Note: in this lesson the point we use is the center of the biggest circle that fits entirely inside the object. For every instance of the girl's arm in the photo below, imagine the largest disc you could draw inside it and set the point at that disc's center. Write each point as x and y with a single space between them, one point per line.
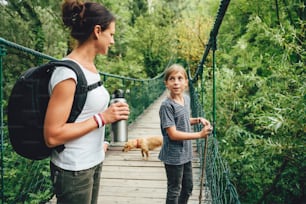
179 135
194 121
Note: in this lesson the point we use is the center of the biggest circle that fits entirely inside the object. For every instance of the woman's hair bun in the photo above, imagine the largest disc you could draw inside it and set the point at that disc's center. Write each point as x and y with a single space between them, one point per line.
81 18
72 13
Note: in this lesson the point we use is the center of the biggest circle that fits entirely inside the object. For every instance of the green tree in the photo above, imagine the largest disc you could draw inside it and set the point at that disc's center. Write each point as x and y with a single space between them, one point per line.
261 99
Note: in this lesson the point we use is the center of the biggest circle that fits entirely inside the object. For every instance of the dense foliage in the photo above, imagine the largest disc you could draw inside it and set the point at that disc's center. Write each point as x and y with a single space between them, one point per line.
261 99
260 77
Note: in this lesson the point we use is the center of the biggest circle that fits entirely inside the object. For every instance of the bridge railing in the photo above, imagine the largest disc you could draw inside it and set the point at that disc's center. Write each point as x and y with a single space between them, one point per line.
26 181
215 174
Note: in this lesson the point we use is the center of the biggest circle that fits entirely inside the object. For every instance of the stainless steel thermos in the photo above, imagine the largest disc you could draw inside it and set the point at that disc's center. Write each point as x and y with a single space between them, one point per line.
119 129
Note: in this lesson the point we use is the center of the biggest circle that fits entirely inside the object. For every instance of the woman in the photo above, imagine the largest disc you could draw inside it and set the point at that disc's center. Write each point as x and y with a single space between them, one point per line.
75 171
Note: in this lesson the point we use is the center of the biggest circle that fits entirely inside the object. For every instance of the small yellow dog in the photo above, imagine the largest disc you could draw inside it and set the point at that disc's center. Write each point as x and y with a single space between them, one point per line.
145 144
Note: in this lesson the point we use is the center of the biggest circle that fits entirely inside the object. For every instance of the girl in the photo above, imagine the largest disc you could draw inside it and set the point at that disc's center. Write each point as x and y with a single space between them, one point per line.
75 171
175 122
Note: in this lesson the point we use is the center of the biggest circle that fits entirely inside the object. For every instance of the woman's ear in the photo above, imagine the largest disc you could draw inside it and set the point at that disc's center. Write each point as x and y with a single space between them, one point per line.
96 31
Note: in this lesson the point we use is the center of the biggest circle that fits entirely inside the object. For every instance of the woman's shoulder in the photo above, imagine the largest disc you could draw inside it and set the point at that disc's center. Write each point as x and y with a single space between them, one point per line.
60 74
64 73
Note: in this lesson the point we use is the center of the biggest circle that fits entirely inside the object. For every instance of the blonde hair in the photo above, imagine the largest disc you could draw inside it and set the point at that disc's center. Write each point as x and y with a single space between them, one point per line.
174 68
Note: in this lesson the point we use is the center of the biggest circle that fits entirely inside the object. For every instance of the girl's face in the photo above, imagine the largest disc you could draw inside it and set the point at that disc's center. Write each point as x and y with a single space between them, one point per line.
176 83
106 38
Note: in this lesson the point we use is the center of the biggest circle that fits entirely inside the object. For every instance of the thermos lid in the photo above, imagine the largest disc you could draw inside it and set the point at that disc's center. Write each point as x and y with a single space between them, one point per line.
119 93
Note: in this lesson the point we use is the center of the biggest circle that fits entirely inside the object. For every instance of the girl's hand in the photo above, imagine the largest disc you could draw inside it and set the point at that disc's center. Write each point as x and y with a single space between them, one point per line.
115 112
207 128
204 122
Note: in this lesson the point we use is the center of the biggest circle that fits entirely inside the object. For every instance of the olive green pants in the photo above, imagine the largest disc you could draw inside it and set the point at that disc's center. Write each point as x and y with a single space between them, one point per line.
76 187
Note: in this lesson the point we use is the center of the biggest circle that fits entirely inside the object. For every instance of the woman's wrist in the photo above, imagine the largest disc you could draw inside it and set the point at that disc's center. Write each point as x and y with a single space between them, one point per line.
99 119
102 118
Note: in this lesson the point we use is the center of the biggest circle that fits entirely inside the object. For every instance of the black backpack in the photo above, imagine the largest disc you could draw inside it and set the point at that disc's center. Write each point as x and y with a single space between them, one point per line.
28 103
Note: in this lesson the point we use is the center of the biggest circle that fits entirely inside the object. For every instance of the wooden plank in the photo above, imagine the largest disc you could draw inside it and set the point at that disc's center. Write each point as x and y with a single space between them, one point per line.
142 193
107 182
137 163
133 175
151 195
129 200
136 200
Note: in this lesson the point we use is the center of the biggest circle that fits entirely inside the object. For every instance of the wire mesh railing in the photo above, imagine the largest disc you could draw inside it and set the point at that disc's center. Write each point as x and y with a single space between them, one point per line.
26 181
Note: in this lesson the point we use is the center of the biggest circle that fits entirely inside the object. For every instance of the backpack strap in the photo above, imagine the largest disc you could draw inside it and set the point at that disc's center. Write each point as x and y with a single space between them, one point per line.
81 89
94 85
80 93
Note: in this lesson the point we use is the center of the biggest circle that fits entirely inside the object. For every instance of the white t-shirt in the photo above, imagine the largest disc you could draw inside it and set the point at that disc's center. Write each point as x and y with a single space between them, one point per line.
86 151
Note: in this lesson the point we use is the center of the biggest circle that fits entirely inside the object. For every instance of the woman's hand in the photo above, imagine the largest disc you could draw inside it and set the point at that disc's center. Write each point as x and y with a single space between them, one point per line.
115 112
105 146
